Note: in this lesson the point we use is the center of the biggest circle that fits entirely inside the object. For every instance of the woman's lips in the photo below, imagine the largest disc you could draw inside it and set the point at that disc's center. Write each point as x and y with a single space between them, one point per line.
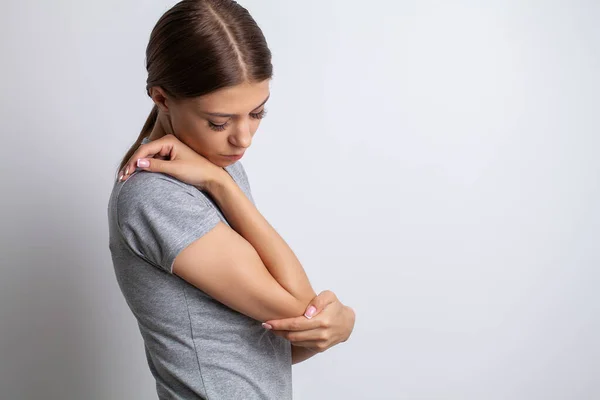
234 157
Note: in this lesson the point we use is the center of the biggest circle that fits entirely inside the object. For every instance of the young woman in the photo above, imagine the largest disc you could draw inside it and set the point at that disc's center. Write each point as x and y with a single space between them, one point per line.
222 303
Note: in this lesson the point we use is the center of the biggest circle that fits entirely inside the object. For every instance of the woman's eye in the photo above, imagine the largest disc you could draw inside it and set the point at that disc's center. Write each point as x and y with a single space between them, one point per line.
222 127
218 127
259 115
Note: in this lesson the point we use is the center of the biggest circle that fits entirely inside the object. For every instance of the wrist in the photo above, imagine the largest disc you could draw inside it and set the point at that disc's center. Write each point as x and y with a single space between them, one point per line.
300 353
218 182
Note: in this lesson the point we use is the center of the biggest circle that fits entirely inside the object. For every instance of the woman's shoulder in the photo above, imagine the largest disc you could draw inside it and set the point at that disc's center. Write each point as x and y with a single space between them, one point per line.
146 183
238 172
153 189
154 195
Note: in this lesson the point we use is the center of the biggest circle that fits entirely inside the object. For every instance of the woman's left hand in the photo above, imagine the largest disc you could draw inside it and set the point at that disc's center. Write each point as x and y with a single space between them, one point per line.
331 323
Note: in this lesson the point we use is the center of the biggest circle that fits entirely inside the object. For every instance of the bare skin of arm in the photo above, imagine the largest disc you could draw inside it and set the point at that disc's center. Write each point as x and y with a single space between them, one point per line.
275 253
249 268
247 265
326 323
300 354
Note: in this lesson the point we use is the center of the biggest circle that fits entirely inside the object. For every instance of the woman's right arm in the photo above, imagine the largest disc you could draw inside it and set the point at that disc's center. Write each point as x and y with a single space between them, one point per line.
249 268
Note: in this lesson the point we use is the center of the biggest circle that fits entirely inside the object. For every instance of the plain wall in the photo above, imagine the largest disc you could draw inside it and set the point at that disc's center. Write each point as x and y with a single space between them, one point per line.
434 163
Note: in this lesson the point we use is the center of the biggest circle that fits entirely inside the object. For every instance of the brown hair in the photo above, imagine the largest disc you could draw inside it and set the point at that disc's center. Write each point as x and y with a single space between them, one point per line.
199 46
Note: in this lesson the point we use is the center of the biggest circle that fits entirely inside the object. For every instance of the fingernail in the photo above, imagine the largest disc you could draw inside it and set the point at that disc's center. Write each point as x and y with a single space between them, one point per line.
310 312
143 163
266 326
121 177
127 170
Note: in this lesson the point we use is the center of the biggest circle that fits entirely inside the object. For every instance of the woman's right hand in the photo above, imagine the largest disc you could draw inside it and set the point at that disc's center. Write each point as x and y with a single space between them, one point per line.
181 162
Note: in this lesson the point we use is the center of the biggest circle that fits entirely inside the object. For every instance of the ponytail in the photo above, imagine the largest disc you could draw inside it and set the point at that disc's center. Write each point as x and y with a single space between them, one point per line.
150 121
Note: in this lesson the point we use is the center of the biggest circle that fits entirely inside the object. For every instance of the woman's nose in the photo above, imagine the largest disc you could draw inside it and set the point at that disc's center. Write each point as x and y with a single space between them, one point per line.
242 136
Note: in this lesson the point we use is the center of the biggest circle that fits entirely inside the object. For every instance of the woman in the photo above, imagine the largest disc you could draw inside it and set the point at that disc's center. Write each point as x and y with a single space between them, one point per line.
199 266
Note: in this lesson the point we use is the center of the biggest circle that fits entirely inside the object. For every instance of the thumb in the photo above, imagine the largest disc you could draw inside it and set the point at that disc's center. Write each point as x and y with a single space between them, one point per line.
153 165
319 303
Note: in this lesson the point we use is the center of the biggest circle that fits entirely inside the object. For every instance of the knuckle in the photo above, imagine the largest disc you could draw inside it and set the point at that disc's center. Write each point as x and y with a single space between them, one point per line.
321 347
329 294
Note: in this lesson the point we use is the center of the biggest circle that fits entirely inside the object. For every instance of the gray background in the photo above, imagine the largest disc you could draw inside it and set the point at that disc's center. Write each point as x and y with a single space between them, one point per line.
433 163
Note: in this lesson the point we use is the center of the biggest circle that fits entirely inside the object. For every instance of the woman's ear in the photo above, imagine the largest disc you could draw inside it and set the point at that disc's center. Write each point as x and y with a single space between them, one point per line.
160 98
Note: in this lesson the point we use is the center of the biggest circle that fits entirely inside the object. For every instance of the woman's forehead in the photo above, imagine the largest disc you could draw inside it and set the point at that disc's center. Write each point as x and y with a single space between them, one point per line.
239 99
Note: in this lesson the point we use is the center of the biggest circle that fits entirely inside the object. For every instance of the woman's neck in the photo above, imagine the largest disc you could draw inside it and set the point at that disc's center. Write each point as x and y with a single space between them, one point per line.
162 127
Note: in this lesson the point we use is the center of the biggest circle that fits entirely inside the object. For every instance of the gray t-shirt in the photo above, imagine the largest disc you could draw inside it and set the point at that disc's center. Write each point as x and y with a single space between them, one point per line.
196 347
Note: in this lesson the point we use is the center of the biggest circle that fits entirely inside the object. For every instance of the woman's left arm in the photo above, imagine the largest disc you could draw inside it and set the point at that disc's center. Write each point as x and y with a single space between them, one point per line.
328 323
300 354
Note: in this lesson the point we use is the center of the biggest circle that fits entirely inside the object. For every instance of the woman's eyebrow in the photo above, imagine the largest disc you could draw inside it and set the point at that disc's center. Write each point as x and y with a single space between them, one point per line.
233 115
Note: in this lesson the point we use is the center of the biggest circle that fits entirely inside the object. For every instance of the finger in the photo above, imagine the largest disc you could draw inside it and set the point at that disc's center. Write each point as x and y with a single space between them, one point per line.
161 157
304 336
162 146
156 165
319 303
314 335
317 346
281 333
294 324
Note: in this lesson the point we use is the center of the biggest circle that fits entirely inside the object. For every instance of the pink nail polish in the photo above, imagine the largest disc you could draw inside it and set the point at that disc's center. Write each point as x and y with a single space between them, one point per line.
310 312
143 163
266 326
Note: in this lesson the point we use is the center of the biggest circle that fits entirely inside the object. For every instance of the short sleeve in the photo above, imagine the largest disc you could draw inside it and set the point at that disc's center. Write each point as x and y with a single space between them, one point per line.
159 216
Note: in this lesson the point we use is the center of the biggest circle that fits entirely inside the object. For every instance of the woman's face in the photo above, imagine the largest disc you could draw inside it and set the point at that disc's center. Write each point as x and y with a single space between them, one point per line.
221 123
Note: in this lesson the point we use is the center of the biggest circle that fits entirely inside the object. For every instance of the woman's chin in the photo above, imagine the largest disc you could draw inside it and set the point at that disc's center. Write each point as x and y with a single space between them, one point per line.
222 163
